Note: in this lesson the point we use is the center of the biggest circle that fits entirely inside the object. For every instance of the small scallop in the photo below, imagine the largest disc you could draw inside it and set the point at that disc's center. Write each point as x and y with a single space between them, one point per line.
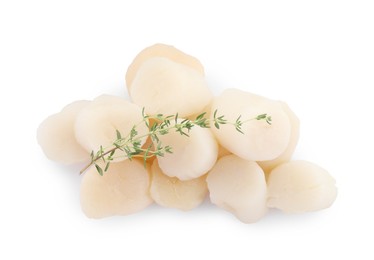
162 50
286 156
163 86
238 186
192 156
122 190
173 193
56 135
97 123
261 141
300 186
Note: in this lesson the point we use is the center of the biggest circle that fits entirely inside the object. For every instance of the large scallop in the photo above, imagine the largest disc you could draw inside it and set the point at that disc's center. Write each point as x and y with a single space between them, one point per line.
165 51
173 193
56 135
192 156
260 140
163 86
122 190
238 186
300 186
97 124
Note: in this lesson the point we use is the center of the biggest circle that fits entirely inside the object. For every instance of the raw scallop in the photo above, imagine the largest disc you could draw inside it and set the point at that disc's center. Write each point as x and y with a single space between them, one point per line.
97 123
173 193
239 187
56 135
163 86
193 155
165 51
300 186
261 141
122 190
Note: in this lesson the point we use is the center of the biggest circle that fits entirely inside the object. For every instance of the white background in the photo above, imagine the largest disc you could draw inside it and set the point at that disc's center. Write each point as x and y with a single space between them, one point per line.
316 55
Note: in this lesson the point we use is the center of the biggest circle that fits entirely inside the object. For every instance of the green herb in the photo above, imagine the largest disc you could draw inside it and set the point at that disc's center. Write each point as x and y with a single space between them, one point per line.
131 144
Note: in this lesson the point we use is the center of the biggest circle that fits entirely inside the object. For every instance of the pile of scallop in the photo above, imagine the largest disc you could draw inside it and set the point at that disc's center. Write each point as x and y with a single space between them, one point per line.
245 174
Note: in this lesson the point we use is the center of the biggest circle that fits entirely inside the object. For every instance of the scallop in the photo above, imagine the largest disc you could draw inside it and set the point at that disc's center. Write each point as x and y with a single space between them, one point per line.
173 193
300 186
165 51
122 190
238 186
260 141
192 156
163 86
97 124
56 135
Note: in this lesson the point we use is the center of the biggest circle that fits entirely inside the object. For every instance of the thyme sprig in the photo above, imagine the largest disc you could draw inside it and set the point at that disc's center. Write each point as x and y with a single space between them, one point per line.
131 144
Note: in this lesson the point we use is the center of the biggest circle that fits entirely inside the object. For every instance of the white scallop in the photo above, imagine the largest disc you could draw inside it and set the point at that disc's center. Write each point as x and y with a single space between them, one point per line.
122 190
56 135
300 186
173 193
166 87
261 141
97 123
193 155
165 51
238 186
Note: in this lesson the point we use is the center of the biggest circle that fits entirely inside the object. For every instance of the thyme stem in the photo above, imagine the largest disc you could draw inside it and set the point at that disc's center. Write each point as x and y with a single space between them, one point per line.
131 143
